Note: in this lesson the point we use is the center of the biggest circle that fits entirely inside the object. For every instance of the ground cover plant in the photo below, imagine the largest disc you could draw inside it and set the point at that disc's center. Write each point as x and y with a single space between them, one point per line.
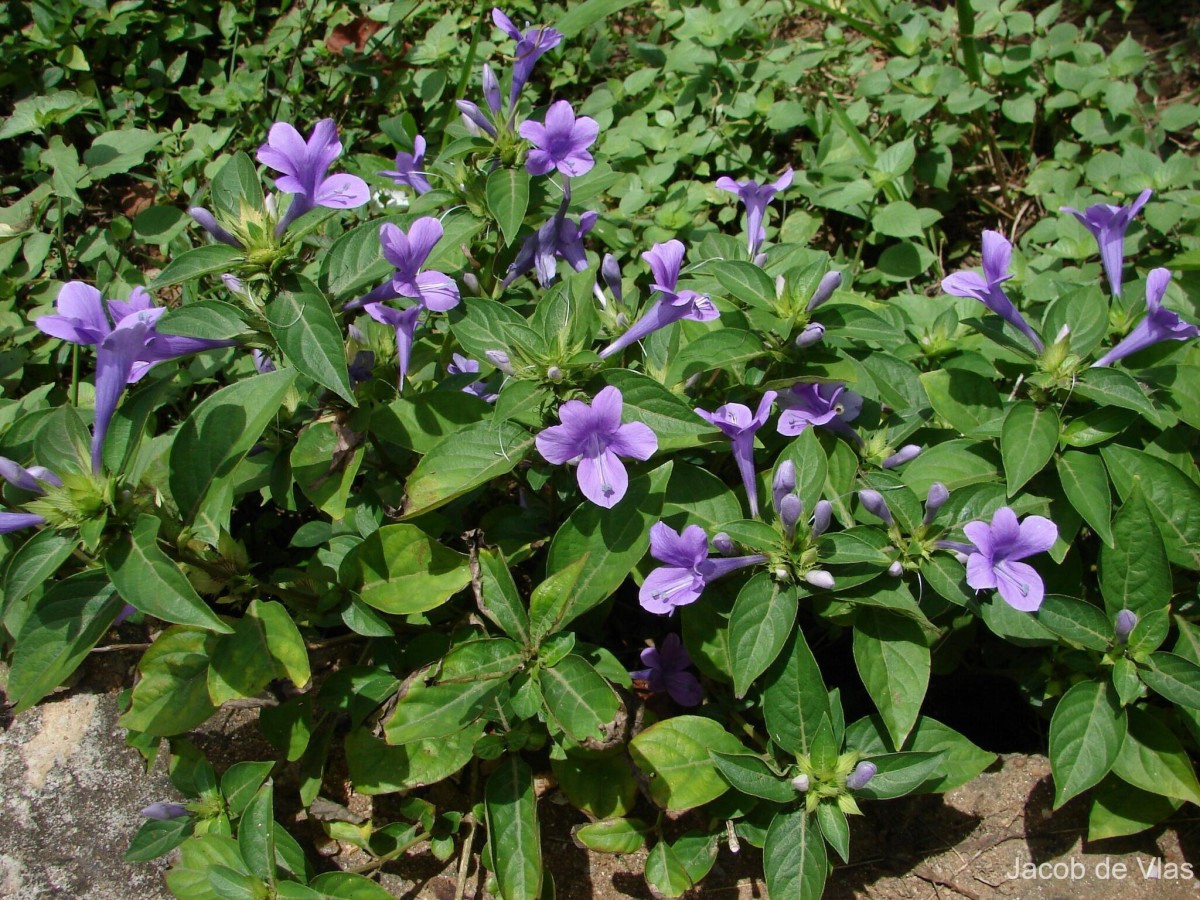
662 398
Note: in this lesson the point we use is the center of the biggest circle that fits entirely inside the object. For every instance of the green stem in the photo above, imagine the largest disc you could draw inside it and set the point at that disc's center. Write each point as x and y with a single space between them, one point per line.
966 32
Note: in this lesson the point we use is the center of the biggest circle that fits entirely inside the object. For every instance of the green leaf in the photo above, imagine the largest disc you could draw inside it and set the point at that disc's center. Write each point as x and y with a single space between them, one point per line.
264 645
149 580
215 437
956 464
377 768
612 835
750 775
324 463
510 809
1118 809
1027 442
235 186
728 348
507 199
551 601
418 423
34 564
578 698
1173 499
795 700
673 421
1152 759
611 540
485 658
1112 387
158 837
211 259
1076 621
1085 483
1086 733
893 662
1174 678
960 759
403 570
745 281
189 877
897 219
794 859
241 782
587 14
289 726
212 320
759 625
599 782
1133 572
308 334
256 833
835 828
349 886
61 629
463 461
675 755
172 695
499 599
965 399
428 712
899 774
666 873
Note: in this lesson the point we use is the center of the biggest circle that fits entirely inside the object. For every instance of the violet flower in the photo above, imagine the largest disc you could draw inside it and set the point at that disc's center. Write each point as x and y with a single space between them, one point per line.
491 90
1160 324
209 223
666 672
907 453
126 349
163 810
934 500
1125 622
560 238
739 425
474 119
665 262
561 143
431 289
409 166
31 480
783 483
829 283
304 165
461 365
997 254
531 44
688 569
756 197
862 774
829 405
1108 224
594 437
994 561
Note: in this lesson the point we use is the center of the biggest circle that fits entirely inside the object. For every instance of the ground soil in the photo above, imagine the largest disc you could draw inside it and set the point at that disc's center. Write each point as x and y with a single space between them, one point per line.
71 791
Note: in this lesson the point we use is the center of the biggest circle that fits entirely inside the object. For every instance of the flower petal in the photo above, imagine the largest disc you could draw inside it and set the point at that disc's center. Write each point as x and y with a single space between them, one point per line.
1037 535
635 440
558 444
1020 586
603 479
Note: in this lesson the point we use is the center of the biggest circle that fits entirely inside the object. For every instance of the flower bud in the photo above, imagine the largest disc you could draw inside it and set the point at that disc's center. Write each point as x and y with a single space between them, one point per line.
233 283
554 373
819 578
1063 334
611 273
905 454
784 482
208 222
863 773
473 116
780 286
830 283
812 334
873 502
790 510
724 544
1126 621
162 810
800 783
934 500
491 89
472 283
499 359
760 259
896 569
822 514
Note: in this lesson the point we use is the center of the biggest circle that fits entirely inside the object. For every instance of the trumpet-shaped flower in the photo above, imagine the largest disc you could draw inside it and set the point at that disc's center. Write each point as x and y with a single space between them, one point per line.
531 44
1160 324
688 569
409 168
999 547
987 289
31 480
560 238
462 365
739 425
667 672
594 437
756 197
829 405
126 348
561 143
1108 224
665 261
304 165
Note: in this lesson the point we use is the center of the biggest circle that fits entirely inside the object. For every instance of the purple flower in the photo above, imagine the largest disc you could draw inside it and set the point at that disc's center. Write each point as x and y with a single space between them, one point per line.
463 366
31 480
1108 223
997 254
688 569
408 168
666 672
829 283
1125 623
304 165
829 405
125 350
756 197
562 143
162 810
934 500
863 773
812 334
594 437
559 238
783 483
1160 324
907 453
531 44
474 119
739 425
491 89
874 503
209 223
432 290
998 547
665 262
